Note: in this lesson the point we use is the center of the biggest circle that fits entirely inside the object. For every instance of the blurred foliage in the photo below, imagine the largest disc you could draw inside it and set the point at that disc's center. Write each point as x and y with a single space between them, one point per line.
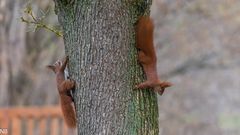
229 121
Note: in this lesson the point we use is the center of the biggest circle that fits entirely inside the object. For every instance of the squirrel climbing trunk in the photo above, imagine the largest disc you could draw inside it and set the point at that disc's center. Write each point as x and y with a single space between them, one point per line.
64 88
147 55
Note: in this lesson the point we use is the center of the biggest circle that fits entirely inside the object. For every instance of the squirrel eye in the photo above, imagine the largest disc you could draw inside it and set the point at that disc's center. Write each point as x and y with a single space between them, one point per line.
59 63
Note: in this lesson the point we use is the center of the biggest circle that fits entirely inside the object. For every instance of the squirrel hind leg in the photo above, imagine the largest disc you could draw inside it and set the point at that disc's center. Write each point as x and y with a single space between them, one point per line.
143 85
155 86
165 84
67 85
142 57
158 86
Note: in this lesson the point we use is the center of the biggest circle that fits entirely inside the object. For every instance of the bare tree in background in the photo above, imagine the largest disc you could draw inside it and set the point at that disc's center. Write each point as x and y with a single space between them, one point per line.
100 41
24 55
12 38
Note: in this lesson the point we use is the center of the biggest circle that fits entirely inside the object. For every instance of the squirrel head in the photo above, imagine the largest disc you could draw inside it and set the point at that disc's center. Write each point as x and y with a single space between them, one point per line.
58 66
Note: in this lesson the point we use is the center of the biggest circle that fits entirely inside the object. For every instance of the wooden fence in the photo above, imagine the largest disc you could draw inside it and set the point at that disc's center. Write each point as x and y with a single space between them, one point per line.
33 121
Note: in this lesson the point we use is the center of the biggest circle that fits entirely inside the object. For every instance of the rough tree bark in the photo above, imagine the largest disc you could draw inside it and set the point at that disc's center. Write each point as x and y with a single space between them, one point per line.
99 38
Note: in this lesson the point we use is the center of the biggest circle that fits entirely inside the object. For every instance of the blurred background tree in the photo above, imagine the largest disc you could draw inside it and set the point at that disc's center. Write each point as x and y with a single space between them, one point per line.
25 53
197 45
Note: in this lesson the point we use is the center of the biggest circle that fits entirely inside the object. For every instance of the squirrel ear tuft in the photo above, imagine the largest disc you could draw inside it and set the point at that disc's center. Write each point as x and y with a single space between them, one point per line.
51 67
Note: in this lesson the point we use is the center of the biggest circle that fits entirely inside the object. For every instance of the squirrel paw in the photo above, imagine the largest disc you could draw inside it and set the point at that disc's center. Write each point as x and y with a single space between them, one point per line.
160 88
157 86
73 83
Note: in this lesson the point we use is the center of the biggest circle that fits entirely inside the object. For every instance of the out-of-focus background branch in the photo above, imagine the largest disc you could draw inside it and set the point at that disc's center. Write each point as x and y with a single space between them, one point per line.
198 49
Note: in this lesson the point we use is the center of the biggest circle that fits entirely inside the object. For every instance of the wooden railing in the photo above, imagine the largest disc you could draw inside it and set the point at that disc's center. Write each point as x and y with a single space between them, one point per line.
33 121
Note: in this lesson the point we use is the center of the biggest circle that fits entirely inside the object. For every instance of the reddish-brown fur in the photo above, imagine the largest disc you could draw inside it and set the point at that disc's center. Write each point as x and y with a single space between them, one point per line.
64 87
147 56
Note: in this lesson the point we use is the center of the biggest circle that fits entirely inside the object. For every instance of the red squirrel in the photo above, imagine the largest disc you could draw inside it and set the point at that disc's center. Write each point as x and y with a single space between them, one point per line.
147 55
64 87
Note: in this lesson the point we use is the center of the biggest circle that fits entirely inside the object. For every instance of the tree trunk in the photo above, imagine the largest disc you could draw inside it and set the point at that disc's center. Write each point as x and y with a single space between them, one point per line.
99 38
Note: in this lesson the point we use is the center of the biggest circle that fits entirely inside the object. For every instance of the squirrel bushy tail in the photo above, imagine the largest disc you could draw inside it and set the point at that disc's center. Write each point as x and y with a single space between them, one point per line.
69 114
